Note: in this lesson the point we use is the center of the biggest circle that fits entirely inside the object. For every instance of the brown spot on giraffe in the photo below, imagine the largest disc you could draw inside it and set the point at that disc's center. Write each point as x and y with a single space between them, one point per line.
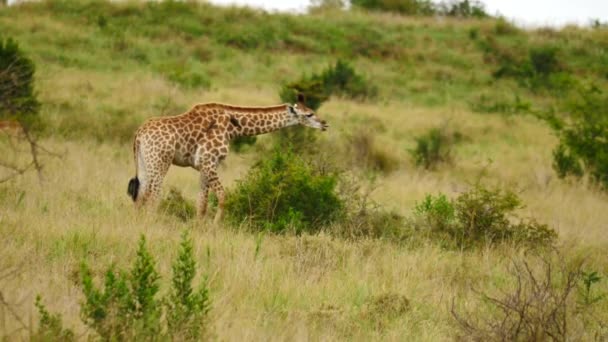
199 139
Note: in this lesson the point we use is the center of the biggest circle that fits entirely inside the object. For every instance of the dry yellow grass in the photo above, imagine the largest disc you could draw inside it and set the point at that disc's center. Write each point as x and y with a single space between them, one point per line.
297 288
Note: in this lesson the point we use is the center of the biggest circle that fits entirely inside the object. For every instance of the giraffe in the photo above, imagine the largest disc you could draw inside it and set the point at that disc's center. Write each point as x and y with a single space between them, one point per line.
199 138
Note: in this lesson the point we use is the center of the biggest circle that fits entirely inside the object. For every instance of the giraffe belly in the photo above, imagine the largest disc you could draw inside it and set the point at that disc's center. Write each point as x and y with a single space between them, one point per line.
183 159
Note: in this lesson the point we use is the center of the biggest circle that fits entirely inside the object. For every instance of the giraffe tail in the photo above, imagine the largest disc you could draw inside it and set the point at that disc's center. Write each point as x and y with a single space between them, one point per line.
133 188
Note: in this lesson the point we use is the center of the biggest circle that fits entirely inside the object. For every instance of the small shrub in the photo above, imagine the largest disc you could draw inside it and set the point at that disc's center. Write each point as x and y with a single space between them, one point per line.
583 141
186 308
479 217
503 27
17 97
175 204
463 9
185 73
127 308
342 79
538 306
284 192
50 326
433 148
406 7
486 104
366 153
239 143
339 79
364 218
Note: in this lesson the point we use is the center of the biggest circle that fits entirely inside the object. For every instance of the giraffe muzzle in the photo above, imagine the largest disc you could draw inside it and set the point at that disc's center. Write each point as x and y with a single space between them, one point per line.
324 125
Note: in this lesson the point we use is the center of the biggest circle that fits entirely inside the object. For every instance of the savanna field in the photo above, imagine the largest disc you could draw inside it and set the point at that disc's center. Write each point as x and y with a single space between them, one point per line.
453 221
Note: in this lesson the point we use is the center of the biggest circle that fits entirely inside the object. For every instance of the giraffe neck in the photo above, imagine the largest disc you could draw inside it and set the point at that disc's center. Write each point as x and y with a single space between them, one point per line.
260 120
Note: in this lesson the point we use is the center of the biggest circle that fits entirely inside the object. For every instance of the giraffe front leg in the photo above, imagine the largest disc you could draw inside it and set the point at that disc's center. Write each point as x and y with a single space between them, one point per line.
203 195
218 189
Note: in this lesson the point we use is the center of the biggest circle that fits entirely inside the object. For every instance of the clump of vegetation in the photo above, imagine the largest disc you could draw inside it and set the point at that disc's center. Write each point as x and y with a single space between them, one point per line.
583 145
19 107
186 308
50 326
538 67
479 217
185 73
434 147
539 304
487 104
385 307
284 192
127 307
365 152
17 97
364 218
240 143
340 79
175 204
462 9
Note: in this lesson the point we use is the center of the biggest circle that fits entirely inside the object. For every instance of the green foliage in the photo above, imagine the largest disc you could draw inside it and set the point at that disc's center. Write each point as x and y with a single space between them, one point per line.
340 79
364 218
407 7
126 307
239 143
487 104
479 217
188 74
464 9
186 308
175 204
17 96
539 67
50 326
284 192
586 296
583 145
461 8
433 148
366 153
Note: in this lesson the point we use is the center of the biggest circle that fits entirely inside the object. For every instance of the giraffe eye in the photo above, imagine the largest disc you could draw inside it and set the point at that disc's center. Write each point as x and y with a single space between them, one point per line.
309 115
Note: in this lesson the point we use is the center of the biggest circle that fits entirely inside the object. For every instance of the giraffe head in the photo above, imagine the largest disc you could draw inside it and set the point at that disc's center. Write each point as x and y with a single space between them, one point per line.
306 116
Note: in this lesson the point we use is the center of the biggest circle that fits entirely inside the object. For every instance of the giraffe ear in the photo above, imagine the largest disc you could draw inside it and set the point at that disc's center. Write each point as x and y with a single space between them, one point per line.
301 98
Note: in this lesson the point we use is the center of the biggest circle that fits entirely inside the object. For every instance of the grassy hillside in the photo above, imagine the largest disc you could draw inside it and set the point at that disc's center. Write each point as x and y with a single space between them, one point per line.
103 68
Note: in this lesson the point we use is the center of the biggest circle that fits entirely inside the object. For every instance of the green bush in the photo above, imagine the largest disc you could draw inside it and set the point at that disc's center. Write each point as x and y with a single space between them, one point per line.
486 104
463 9
366 153
50 326
186 308
433 148
479 217
364 218
407 7
284 192
127 308
339 79
539 67
175 204
239 143
583 140
17 97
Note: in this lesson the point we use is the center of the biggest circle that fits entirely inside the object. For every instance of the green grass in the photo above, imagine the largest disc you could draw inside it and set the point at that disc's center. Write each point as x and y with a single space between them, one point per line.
103 68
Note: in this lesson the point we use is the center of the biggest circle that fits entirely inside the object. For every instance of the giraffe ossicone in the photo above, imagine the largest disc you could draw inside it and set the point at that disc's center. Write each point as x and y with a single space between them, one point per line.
200 139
